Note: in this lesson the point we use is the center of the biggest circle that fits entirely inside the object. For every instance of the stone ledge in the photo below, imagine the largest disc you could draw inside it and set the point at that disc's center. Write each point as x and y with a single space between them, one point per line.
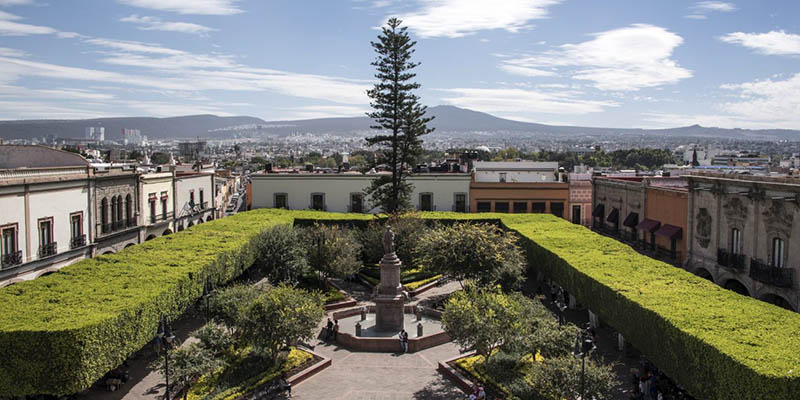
455 375
325 362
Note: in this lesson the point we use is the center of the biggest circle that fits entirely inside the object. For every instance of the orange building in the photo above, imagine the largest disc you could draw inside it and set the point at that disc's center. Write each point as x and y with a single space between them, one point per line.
520 197
668 205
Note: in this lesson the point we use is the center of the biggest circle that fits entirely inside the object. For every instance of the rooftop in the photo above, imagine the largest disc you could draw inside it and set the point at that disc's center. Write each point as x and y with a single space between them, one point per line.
25 156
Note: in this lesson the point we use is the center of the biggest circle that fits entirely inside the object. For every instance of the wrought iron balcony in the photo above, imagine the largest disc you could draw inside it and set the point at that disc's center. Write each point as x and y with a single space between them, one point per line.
77 241
730 260
47 250
781 277
11 259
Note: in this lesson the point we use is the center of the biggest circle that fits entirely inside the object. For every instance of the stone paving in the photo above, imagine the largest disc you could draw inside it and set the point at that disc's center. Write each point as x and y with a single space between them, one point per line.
380 376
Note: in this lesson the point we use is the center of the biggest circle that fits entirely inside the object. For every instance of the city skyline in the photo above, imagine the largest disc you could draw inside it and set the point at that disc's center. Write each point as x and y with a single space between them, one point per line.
648 64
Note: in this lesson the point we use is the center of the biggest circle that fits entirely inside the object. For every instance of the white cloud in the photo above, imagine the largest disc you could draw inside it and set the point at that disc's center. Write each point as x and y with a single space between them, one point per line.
763 104
695 16
8 26
175 70
622 59
517 103
59 93
198 7
6 52
525 71
772 43
156 24
6 3
708 6
457 18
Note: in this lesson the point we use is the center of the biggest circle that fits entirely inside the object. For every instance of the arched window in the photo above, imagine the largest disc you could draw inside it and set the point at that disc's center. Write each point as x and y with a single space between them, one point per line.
778 252
128 209
104 213
119 209
114 209
736 241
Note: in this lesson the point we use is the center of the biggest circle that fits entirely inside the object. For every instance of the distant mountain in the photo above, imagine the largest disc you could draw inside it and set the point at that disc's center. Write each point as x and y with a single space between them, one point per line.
454 119
155 128
449 119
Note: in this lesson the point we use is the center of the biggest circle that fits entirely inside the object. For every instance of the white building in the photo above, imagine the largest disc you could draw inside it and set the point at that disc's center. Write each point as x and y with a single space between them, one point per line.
158 203
45 216
345 192
96 133
515 171
194 199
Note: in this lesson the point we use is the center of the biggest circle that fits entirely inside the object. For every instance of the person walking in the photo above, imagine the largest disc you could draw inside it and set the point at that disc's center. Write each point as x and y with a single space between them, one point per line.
335 330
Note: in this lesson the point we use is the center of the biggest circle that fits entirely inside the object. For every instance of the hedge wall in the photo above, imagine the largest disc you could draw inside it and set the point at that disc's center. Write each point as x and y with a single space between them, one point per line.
62 332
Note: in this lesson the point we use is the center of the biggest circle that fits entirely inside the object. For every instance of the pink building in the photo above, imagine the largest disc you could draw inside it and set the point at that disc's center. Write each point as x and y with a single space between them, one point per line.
580 198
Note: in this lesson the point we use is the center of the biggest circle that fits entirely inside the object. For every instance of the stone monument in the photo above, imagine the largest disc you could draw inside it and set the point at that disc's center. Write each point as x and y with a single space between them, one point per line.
389 301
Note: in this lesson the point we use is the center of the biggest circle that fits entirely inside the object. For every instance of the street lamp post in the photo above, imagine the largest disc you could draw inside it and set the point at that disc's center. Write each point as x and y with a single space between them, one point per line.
166 339
584 344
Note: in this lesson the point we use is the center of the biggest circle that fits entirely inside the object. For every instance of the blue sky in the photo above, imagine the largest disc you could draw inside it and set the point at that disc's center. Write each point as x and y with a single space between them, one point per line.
643 63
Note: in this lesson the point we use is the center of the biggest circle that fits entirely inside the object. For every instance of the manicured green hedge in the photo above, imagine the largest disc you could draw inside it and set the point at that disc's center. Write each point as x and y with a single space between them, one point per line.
715 343
60 333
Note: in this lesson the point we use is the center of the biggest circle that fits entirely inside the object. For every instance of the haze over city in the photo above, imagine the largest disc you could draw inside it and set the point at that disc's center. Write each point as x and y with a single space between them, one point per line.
607 64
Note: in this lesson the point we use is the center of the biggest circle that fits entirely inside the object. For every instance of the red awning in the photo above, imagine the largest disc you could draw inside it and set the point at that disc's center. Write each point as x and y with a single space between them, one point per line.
648 225
670 231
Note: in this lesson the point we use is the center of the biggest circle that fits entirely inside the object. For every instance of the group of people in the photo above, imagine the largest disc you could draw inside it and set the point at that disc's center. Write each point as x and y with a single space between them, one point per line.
478 393
331 330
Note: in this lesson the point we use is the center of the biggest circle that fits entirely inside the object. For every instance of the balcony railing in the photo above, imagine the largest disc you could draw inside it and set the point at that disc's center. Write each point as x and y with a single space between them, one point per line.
204 205
781 277
730 260
131 222
160 217
47 250
12 259
77 241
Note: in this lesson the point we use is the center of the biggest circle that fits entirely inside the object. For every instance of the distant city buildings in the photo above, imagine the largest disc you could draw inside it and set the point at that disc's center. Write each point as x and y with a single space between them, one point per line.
97 133
133 136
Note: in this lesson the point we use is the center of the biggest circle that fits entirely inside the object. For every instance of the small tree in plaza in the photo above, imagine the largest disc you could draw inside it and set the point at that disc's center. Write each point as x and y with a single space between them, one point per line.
279 317
332 251
560 378
281 254
187 364
228 304
485 319
482 253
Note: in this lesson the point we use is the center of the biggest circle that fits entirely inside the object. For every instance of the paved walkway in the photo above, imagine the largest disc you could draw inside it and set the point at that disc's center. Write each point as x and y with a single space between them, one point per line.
380 376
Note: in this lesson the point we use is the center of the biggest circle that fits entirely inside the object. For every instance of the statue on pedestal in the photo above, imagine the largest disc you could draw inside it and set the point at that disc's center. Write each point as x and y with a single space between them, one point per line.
388 240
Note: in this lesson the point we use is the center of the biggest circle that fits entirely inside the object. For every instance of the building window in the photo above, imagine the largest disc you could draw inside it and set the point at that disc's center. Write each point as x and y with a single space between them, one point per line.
164 199
318 201
736 241
778 252
460 202
11 256
520 207
484 206
191 198
47 246
576 215
501 206
503 176
202 205
129 210
77 238
557 209
538 207
104 214
356 202
281 200
426 201
113 209
119 209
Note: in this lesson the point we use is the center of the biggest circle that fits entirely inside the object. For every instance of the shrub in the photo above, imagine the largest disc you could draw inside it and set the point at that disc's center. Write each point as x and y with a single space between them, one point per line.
482 253
281 254
332 251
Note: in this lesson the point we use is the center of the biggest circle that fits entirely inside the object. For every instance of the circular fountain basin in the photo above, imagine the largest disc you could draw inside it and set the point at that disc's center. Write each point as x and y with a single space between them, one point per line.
430 326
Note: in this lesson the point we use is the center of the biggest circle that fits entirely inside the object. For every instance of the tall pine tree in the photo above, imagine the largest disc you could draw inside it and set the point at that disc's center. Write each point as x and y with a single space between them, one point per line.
399 116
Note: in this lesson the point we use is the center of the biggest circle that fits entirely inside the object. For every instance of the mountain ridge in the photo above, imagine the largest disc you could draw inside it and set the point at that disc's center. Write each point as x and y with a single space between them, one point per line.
447 119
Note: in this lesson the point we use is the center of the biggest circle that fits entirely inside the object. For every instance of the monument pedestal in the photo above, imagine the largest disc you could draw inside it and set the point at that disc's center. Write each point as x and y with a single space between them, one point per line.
390 300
